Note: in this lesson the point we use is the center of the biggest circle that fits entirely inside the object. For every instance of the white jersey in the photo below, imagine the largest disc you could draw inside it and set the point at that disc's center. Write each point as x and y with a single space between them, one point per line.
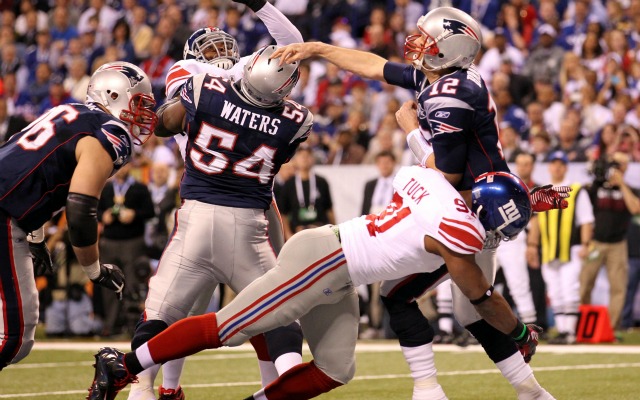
390 245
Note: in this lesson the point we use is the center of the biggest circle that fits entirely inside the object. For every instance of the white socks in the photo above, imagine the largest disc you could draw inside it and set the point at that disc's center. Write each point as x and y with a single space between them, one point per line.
143 389
423 372
520 376
171 372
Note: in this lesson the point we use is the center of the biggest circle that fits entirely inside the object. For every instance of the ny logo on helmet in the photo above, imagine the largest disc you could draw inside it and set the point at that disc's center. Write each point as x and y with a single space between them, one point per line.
455 27
133 75
509 213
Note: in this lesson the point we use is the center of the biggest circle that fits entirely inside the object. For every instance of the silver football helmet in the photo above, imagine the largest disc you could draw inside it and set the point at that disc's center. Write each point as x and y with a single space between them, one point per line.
209 40
125 91
266 83
449 38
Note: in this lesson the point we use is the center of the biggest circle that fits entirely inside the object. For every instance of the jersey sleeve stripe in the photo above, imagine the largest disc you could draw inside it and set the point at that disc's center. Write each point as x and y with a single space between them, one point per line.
177 74
464 236
466 225
456 245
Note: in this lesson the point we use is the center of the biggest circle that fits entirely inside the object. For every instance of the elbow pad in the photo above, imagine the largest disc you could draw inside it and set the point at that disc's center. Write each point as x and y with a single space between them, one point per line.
82 211
419 146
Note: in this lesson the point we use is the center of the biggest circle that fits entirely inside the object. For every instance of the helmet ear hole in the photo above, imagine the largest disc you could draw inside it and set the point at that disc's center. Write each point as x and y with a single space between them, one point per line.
114 95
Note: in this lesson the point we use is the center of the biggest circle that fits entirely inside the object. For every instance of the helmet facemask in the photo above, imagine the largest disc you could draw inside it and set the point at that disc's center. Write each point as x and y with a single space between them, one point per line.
417 46
124 90
140 117
222 46
448 38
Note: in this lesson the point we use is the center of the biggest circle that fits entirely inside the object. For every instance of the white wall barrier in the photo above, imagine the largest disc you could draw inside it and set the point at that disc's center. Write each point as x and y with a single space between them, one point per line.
347 183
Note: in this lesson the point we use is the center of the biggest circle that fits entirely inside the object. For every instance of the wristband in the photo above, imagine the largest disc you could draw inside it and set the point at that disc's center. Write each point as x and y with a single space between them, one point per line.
519 332
484 297
36 236
93 270
419 146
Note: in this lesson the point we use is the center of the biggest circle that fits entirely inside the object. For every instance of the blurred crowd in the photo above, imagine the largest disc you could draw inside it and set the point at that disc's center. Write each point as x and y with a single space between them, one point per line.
564 76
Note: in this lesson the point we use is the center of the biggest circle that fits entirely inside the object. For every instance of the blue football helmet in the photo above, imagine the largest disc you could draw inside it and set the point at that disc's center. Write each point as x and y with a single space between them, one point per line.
212 38
501 201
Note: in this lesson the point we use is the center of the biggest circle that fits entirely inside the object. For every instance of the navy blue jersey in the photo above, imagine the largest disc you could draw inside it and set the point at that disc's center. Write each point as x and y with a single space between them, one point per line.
37 163
458 114
235 149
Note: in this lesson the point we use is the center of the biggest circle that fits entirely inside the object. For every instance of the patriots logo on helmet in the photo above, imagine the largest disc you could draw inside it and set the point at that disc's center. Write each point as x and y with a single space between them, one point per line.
131 74
458 28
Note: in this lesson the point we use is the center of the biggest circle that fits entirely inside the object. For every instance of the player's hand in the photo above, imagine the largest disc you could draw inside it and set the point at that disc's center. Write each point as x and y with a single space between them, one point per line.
295 52
42 262
112 278
407 116
255 5
527 345
549 197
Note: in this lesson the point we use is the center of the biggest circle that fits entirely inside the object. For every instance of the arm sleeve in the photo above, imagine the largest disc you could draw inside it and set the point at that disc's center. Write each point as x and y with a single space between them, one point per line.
402 75
114 138
190 95
280 28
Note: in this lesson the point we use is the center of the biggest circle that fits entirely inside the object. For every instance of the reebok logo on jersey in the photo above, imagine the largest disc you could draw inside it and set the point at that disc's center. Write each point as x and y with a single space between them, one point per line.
509 213
442 114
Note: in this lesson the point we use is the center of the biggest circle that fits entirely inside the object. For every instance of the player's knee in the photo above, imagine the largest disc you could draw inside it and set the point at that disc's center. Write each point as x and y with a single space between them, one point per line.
146 330
283 340
408 323
496 344
339 372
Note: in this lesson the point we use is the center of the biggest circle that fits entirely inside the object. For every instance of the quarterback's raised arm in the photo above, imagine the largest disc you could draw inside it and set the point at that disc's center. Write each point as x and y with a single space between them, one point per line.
362 63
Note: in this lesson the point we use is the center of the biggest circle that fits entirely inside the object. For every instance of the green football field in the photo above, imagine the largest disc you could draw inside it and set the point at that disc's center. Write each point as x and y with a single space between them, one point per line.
62 370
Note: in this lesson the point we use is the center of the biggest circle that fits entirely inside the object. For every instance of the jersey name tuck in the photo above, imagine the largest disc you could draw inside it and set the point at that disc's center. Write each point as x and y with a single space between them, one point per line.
37 164
235 149
390 245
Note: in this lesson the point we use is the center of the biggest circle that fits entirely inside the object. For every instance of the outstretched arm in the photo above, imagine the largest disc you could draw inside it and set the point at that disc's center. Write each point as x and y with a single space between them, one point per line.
279 26
362 63
490 305
469 277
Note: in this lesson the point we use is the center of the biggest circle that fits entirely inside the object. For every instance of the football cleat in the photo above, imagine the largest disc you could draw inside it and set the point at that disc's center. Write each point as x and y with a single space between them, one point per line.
111 375
170 394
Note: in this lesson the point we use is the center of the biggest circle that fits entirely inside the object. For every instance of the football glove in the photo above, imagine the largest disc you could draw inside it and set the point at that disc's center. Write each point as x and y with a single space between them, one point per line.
255 5
42 263
527 345
549 197
112 278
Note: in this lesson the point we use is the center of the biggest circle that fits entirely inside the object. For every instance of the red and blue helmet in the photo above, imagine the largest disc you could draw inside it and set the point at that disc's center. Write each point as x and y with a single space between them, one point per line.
502 202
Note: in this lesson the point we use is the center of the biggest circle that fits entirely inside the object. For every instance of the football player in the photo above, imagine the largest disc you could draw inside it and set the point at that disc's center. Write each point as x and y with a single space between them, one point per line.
426 225
239 134
453 129
213 51
64 158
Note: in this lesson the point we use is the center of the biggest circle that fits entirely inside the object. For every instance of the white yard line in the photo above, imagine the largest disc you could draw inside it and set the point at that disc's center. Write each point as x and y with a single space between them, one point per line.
370 347
357 378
